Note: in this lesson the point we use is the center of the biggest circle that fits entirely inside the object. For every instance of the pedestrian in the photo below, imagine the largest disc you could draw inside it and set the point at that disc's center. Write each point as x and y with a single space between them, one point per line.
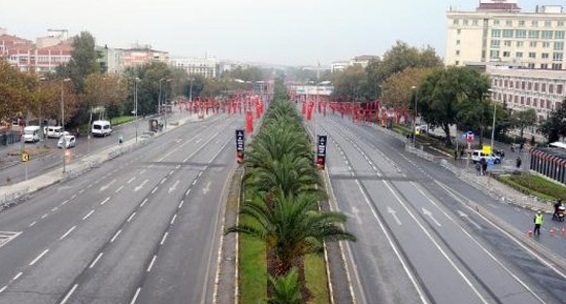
455 154
538 222
518 162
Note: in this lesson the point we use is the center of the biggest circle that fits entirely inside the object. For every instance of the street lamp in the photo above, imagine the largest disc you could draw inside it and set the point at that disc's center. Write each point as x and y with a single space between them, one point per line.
64 148
493 123
416 113
191 90
159 97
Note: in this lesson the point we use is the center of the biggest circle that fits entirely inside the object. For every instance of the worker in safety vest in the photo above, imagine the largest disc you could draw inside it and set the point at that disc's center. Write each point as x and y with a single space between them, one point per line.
538 222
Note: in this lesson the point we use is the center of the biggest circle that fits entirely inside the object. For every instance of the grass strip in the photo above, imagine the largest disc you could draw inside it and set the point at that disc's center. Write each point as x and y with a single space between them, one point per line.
253 270
317 282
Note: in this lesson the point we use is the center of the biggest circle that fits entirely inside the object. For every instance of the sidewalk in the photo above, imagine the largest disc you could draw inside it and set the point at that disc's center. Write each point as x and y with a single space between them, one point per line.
14 194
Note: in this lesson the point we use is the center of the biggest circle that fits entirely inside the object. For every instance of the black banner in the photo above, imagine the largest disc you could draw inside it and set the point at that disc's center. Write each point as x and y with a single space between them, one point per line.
321 152
240 140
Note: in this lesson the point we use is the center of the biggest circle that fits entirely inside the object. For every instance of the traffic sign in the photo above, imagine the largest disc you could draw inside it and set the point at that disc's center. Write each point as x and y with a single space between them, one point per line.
469 136
25 157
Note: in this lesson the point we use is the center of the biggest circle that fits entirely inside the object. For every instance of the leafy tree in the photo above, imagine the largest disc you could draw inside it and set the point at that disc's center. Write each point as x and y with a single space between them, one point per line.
84 61
286 289
14 92
148 86
350 83
397 89
522 120
251 74
444 92
105 95
555 126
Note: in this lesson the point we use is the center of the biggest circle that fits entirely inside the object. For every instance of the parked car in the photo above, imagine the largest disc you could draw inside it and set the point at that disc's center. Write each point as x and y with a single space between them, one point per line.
422 128
53 132
101 128
478 155
68 140
31 134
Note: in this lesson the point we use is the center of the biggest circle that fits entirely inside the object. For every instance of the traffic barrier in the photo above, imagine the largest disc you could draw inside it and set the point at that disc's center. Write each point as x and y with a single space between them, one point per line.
530 233
563 231
552 231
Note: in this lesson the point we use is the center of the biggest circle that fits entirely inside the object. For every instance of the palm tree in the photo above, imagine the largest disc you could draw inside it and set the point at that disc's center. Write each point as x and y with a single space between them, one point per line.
286 289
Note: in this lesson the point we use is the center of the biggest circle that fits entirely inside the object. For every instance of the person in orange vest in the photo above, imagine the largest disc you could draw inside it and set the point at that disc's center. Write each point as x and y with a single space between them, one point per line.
538 222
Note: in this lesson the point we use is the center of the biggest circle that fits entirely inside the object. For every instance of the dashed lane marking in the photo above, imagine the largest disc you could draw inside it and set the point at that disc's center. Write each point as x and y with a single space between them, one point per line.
6 236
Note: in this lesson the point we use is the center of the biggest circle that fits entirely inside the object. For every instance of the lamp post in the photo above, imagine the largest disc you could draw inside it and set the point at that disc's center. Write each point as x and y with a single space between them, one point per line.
64 148
416 113
159 97
191 90
493 122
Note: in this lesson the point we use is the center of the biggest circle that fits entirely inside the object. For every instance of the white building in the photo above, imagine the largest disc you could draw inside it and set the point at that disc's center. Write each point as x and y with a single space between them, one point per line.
498 31
521 89
206 67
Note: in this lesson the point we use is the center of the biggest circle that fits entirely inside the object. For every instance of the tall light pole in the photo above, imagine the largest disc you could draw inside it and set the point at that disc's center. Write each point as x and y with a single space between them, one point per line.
493 123
191 90
64 148
159 97
416 113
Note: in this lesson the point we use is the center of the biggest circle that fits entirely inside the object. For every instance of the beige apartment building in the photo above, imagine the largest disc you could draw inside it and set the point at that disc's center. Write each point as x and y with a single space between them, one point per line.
498 31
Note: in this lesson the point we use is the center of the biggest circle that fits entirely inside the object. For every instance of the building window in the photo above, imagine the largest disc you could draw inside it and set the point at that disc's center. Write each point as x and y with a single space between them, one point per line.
509 22
458 42
494 54
557 66
520 44
558 34
544 55
531 65
543 87
511 84
559 88
546 45
506 54
544 66
508 33
532 55
465 21
507 43
559 46
456 21
556 56
521 22
547 23
534 34
506 84
495 22
536 86
535 102
533 44
551 88
495 44
457 52
521 33
522 85
529 86
495 33
534 23
548 104
458 31
475 22
528 101
546 34
522 100
519 55
560 23
457 62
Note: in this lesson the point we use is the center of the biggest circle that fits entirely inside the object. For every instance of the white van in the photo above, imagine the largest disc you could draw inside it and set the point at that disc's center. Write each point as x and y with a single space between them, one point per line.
31 134
53 132
101 128
478 155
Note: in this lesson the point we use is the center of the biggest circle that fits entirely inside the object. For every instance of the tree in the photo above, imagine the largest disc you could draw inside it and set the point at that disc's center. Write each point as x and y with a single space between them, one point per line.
105 95
444 92
14 92
555 126
349 84
84 61
397 92
286 289
522 120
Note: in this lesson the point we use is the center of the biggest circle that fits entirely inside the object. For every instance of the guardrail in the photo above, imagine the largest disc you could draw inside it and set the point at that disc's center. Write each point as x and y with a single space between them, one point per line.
8 200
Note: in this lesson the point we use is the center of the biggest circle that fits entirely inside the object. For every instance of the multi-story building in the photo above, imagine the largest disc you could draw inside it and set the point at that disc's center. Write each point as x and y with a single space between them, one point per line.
498 31
141 54
521 89
206 67
362 61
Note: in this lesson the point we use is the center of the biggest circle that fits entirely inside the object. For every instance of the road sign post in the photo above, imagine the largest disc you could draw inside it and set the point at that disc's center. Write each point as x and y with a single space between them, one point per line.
25 159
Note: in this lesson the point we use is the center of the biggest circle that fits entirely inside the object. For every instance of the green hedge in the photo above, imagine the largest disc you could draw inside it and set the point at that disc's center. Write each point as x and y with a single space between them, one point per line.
535 185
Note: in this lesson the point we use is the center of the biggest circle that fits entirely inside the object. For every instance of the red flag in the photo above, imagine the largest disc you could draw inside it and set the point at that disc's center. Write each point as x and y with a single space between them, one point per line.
249 122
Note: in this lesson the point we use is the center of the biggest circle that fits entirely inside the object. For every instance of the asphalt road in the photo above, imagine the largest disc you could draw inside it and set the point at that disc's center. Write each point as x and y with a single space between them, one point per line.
142 228
418 241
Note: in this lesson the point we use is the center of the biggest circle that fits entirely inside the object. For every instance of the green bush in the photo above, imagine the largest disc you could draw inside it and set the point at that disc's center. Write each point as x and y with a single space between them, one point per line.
531 184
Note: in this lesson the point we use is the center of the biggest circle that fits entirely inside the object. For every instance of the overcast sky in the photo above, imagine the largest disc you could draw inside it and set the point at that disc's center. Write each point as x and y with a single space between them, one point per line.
291 32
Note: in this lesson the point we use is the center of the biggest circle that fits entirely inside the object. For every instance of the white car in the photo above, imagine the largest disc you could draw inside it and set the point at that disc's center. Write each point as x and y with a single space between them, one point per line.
69 141
53 132
478 155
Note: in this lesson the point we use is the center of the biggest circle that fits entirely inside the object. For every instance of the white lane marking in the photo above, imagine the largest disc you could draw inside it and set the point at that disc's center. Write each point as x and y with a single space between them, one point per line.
89 214
429 214
17 276
69 294
463 215
96 260
394 214
131 180
67 233
154 189
181 204
163 238
151 263
39 257
118 190
3 288
206 188
89 185
54 209
135 296
131 217
172 188
194 181
173 219
82 190
107 185
64 202
33 223
163 180
188 191
177 166
143 203
44 216
171 172
142 171
73 197
105 201
141 185
115 235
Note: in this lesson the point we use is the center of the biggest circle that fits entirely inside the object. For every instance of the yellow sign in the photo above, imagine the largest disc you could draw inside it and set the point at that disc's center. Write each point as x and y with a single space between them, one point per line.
417 132
486 149
25 157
